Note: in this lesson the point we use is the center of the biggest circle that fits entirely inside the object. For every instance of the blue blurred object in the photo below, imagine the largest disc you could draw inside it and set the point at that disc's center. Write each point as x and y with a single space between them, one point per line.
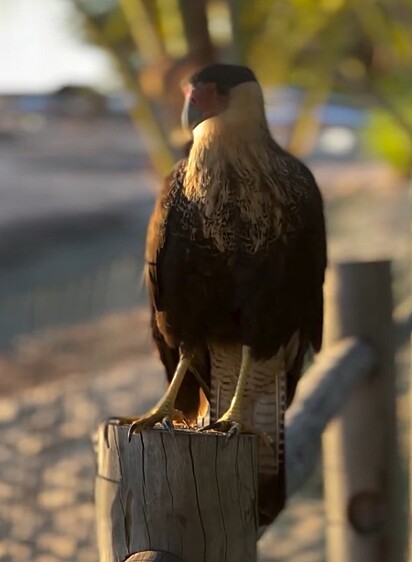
339 123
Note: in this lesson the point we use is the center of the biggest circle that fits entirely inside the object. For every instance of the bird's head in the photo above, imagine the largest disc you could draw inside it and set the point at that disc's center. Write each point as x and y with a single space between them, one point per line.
225 113
220 89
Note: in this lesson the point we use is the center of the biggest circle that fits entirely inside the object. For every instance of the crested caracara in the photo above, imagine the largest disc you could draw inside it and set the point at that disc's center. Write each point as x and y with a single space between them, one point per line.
235 262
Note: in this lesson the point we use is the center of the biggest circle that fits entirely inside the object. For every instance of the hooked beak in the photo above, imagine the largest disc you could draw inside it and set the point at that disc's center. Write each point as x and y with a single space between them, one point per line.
201 103
191 116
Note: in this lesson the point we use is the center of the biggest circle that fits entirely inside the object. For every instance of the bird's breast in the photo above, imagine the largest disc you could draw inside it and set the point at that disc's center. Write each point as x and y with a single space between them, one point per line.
246 218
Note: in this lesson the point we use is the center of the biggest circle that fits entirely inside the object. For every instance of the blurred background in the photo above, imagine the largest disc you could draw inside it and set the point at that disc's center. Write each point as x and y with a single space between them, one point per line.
90 105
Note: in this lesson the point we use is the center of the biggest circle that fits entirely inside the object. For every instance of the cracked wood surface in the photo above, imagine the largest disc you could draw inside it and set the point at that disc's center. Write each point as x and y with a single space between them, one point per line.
190 495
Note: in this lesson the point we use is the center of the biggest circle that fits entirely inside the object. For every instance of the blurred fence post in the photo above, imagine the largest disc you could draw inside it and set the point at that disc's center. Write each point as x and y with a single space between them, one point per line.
360 455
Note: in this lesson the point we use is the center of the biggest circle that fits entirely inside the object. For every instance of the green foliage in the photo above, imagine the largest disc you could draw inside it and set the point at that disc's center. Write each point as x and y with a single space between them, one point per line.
386 138
357 47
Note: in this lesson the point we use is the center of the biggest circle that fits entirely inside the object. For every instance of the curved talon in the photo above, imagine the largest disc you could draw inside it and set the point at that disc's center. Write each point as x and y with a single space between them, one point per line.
139 424
133 427
131 431
167 425
234 430
230 427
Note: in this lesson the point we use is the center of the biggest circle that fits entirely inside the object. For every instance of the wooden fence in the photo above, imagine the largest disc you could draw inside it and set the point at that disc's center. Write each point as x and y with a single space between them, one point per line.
188 497
114 287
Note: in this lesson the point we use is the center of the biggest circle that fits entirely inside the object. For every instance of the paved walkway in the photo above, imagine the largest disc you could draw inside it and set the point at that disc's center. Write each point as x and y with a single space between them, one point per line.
47 469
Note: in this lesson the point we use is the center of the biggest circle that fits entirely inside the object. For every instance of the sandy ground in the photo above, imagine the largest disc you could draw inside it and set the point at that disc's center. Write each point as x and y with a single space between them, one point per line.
68 383
47 463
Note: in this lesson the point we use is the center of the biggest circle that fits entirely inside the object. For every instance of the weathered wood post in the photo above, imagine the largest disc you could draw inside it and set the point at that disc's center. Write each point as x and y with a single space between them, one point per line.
188 494
360 444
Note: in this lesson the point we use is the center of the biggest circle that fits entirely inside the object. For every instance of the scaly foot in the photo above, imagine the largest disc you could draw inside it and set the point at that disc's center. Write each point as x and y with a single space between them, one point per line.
163 413
232 424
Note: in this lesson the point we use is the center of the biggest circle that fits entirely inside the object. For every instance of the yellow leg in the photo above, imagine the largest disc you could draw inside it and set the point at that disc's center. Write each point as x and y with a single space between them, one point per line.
164 411
231 421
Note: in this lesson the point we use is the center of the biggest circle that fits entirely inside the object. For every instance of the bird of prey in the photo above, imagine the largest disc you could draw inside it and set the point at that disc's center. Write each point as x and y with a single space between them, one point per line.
235 262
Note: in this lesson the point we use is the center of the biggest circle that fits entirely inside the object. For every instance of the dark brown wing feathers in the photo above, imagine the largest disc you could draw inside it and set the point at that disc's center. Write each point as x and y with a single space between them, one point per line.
260 300
188 399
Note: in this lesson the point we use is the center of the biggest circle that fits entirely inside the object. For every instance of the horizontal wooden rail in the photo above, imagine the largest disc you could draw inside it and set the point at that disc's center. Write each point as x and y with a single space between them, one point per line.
320 395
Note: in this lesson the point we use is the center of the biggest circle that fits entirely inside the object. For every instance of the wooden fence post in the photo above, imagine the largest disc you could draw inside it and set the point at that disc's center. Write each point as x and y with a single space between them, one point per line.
360 454
189 494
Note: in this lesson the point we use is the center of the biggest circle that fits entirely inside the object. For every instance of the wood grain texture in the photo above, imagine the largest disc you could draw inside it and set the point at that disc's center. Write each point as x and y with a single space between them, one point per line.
191 495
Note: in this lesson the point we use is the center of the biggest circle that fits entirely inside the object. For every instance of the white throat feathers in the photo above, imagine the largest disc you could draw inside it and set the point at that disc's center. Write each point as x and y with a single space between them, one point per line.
231 163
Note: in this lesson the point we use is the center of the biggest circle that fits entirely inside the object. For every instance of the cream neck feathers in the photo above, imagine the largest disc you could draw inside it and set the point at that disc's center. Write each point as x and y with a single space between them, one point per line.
238 138
231 165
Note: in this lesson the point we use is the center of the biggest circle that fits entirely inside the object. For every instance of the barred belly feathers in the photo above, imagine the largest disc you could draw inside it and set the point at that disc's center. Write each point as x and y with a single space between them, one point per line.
235 262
